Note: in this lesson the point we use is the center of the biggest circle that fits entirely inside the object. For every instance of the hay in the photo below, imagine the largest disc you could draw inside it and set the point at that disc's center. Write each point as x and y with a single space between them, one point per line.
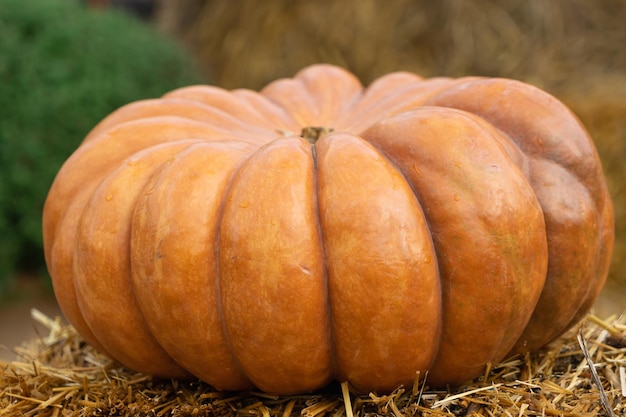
553 44
60 375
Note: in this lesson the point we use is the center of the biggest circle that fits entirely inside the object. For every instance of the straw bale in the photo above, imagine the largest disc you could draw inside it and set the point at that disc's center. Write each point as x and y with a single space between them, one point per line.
60 375
550 43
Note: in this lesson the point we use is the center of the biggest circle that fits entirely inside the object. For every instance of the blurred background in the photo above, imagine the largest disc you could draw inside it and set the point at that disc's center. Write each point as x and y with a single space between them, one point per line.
65 64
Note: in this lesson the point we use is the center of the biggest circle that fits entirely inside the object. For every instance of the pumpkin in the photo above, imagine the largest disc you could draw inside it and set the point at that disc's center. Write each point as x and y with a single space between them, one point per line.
318 230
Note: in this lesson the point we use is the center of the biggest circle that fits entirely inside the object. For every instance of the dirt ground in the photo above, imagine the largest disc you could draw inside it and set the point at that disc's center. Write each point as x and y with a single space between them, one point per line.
16 325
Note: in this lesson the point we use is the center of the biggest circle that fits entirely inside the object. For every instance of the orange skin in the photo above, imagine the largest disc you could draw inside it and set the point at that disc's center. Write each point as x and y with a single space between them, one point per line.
442 225
562 166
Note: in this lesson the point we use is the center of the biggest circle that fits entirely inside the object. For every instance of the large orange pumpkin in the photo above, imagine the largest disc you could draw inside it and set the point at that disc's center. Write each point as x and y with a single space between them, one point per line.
319 230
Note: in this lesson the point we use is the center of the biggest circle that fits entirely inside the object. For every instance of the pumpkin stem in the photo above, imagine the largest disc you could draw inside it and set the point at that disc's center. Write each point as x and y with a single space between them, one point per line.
313 133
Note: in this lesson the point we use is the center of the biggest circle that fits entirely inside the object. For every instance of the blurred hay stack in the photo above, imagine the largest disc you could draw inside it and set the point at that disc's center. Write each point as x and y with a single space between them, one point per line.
572 48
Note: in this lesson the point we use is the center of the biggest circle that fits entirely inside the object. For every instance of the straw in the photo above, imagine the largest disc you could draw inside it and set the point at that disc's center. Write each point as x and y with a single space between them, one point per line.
581 374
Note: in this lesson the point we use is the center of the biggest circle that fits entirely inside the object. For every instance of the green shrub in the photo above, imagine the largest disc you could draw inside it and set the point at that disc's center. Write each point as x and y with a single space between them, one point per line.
64 67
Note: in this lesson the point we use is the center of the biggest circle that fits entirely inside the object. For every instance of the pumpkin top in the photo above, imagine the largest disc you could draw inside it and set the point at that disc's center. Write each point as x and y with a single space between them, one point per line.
540 129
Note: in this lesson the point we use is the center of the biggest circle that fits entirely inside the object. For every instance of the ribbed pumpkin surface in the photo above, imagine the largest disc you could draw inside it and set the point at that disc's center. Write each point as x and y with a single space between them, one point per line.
420 224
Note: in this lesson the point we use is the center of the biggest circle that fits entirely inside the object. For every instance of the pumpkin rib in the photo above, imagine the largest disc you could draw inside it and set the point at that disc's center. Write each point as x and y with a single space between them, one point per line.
537 114
573 268
102 265
403 98
97 156
194 111
218 273
470 239
389 86
96 159
278 254
544 129
406 94
64 286
333 90
382 276
174 260
291 95
603 261
61 219
222 100
275 117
